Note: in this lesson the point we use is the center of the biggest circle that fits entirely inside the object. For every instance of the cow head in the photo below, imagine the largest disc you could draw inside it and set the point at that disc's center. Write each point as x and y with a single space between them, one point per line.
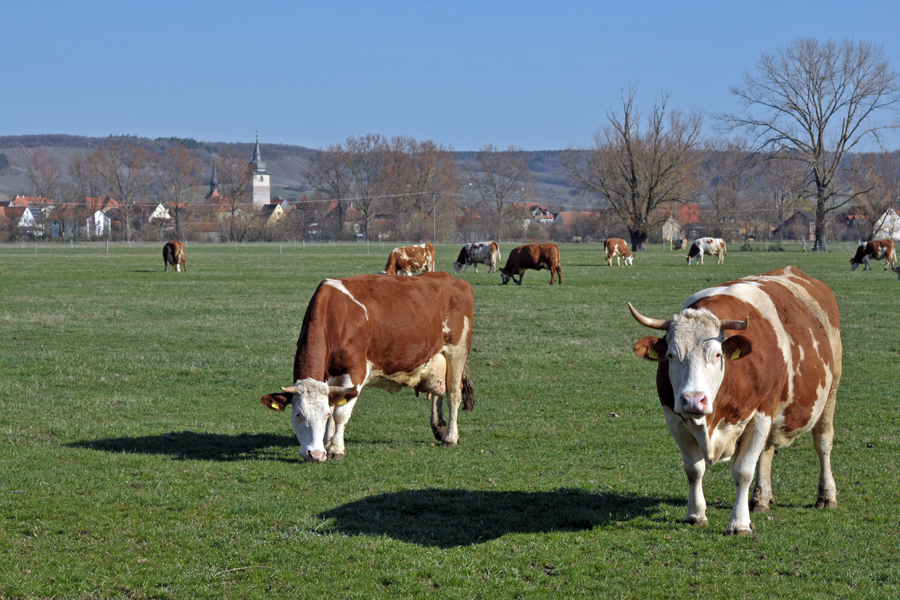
695 349
629 260
457 267
897 271
310 402
505 276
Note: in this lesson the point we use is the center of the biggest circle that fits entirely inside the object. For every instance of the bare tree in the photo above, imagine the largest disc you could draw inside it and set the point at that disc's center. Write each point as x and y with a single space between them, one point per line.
423 183
234 173
502 180
636 169
782 182
178 173
817 101
43 173
727 170
327 173
879 173
124 168
366 160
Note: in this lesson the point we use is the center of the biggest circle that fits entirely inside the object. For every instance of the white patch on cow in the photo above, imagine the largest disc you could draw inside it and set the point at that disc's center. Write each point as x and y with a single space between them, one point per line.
338 285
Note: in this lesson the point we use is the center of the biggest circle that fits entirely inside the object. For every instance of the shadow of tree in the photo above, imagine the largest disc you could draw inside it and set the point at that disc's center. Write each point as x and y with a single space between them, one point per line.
450 518
190 445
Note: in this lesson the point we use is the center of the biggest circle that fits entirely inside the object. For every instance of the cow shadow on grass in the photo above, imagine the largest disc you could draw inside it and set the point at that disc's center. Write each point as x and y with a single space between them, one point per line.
449 518
190 445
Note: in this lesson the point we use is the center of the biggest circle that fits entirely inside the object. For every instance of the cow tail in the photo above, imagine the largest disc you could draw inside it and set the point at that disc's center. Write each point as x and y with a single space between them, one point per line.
468 390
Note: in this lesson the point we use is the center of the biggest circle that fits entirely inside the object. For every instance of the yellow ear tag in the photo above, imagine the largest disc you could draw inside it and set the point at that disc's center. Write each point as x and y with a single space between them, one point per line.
736 354
277 405
342 402
652 353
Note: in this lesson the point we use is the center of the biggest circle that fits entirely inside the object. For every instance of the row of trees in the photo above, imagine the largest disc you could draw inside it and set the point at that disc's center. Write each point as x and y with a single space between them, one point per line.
809 110
132 174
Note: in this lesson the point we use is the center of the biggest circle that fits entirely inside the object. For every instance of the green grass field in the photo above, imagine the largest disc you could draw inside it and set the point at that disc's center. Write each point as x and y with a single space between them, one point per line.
136 460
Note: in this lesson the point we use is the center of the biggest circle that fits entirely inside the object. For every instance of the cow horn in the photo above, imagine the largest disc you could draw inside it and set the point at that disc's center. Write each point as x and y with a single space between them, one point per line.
340 389
289 390
735 324
648 322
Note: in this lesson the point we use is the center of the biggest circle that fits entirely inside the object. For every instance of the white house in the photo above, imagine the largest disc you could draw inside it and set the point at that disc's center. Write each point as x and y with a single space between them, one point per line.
888 226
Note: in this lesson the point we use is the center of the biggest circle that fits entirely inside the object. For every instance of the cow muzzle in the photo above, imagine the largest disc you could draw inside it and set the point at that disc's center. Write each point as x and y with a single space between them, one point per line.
315 455
695 405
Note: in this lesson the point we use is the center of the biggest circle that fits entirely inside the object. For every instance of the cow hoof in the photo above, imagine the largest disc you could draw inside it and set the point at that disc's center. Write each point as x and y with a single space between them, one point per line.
439 432
741 532
698 521
758 506
340 456
825 503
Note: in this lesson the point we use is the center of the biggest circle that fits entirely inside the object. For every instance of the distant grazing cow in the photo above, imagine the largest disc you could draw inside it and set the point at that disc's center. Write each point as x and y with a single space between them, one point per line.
487 253
710 246
617 248
387 331
410 259
679 244
876 249
532 256
174 254
741 396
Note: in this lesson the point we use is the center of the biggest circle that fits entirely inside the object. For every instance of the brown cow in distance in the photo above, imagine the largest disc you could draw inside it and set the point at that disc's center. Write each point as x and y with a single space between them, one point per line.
410 259
532 256
739 396
876 249
174 254
617 248
387 331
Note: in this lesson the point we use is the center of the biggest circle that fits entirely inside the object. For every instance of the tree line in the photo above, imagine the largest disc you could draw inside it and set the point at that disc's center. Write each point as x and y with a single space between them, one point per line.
810 108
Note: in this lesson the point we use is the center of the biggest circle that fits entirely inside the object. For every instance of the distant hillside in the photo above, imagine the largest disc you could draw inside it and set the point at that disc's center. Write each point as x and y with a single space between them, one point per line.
284 162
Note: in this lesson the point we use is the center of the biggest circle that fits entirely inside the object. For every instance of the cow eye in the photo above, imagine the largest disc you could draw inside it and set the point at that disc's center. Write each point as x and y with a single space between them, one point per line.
718 355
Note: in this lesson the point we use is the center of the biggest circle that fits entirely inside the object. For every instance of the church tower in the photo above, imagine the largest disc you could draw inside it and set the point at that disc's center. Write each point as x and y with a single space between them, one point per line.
260 190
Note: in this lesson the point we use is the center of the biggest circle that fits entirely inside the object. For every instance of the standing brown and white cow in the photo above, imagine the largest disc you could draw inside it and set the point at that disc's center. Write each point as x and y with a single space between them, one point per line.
876 249
174 254
710 246
487 253
617 248
410 259
532 256
740 396
353 335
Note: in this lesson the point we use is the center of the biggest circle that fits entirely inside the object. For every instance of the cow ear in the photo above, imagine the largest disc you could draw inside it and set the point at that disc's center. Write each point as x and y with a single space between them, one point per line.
736 347
650 348
276 401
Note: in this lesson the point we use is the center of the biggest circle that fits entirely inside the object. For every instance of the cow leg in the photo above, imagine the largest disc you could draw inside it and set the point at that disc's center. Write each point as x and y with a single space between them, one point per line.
694 467
823 437
476 267
762 494
868 261
750 447
438 425
519 282
340 416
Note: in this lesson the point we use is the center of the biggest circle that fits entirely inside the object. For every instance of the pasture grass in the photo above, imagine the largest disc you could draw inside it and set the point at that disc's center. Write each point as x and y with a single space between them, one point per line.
136 460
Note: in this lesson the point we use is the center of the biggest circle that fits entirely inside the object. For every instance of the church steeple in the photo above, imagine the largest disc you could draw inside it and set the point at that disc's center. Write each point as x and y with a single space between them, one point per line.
214 182
258 165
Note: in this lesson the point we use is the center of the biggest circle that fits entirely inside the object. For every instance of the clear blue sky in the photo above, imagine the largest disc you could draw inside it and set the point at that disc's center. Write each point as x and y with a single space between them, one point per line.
534 75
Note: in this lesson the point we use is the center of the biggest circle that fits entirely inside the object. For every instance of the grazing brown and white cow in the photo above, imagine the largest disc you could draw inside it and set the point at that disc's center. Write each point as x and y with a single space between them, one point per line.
679 243
410 259
710 246
487 253
532 256
353 335
740 396
877 249
617 248
174 254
